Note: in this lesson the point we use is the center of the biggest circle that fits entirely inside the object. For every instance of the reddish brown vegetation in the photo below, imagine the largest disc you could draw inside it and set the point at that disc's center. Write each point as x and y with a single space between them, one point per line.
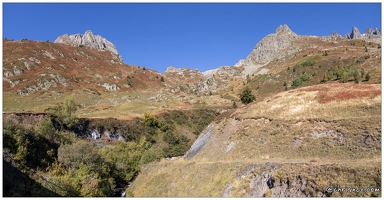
82 67
341 92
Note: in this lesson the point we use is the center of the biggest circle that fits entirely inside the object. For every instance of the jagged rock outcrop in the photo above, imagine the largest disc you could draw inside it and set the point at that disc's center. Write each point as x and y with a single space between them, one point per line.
91 41
273 46
355 34
370 35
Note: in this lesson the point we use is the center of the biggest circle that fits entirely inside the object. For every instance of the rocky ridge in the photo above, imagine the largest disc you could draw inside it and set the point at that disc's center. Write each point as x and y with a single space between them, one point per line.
91 41
370 35
285 42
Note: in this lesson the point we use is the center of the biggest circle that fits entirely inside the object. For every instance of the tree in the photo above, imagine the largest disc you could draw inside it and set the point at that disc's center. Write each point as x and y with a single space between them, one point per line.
344 77
234 105
356 76
362 73
246 96
65 113
367 77
325 78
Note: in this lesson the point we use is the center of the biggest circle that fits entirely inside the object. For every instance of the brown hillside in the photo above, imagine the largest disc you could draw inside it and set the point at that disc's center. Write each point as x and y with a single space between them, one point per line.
305 140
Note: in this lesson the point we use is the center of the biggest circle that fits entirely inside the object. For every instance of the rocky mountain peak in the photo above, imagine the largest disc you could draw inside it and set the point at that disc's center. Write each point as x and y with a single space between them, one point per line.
284 29
355 33
273 46
91 41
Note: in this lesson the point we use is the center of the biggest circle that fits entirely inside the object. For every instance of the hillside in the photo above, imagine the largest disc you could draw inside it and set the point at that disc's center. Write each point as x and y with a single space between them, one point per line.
38 75
294 144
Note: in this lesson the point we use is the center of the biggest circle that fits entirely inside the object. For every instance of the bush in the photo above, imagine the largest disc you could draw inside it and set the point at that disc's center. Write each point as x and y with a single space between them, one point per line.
154 153
305 77
150 120
81 152
297 82
246 96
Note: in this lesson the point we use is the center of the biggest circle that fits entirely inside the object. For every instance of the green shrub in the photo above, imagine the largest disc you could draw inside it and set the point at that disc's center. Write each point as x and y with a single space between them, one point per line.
150 120
154 153
305 77
297 82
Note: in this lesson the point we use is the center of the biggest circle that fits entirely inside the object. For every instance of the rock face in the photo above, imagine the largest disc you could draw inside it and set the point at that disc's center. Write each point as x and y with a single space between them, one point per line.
89 40
273 46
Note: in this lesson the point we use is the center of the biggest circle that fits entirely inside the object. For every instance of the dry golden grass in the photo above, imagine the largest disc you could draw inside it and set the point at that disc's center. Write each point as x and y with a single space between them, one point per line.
182 178
328 101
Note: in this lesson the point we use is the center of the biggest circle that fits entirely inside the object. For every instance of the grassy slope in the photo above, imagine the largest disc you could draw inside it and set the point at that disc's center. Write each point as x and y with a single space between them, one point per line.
266 132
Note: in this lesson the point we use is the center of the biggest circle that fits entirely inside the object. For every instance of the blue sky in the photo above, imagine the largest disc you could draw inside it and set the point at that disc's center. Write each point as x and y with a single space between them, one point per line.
185 35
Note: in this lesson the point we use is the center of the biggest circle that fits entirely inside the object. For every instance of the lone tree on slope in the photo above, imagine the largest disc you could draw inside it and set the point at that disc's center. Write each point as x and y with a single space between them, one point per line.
246 96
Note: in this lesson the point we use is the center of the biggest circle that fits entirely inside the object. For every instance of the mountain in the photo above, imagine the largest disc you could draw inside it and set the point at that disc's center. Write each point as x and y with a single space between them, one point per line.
89 40
285 42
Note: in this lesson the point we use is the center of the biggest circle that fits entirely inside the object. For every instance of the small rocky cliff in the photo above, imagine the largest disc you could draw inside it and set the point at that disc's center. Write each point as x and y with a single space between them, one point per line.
89 40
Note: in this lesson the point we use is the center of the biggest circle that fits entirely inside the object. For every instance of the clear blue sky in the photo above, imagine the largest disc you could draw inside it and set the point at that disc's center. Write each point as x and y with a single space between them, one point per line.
194 35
